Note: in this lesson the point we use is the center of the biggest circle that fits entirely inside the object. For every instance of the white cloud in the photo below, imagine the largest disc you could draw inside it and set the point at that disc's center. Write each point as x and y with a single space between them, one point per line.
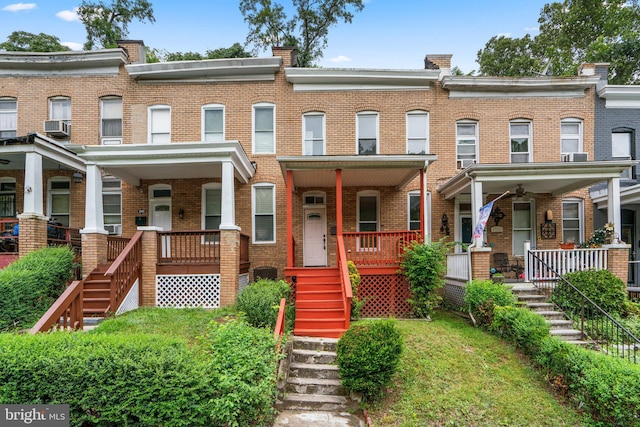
73 45
18 7
503 35
531 29
68 15
340 58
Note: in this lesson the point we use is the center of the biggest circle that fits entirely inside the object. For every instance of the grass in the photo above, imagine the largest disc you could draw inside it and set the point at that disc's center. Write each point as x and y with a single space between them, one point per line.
452 374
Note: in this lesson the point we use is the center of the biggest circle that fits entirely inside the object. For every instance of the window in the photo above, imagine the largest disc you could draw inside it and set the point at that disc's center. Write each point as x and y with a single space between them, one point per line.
520 135
60 108
60 200
522 226
213 123
572 220
414 210
367 133
313 131
112 205
159 124
264 216
466 144
111 121
8 118
417 132
7 197
212 206
264 126
368 202
621 149
571 136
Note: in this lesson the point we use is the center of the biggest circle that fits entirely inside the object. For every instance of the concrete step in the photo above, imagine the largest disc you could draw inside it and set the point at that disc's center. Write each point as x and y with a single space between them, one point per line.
560 323
314 343
532 298
540 306
567 334
313 356
315 386
317 370
317 402
551 314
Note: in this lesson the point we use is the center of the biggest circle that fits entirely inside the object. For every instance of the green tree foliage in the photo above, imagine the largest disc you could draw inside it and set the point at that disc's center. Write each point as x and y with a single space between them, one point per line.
22 41
234 51
572 32
108 23
308 29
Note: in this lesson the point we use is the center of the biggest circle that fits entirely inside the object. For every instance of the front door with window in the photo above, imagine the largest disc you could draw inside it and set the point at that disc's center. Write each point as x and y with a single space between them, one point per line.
315 238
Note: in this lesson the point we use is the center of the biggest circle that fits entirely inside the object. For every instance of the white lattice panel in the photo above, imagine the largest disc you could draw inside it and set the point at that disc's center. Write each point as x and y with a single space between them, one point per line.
243 281
131 301
186 291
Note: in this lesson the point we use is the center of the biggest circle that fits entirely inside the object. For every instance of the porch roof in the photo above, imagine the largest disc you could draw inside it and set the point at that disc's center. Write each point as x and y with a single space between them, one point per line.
54 155
134 162
552 178
629 197
374 171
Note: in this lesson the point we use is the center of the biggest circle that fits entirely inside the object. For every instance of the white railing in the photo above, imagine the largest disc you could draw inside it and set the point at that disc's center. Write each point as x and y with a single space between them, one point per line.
458 266
543 264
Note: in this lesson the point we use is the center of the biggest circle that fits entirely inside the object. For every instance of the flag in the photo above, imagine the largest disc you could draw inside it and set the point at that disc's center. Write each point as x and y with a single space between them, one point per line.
485 211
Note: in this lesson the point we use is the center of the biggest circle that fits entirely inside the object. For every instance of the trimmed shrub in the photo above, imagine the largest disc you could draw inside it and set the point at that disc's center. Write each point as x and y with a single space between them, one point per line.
481 296
30 285
260 302
521 326
368 355
602 287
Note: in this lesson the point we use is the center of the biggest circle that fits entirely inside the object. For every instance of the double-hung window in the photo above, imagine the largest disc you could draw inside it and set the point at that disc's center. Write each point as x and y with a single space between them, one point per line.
414 210
570 136
212 206
111 121
7 197
159 124
572 220
520 141
112 205
313 131
213 123
368 132
60 200
621 149
264 129
264 214
466 144
60 108
417 132
8 118
368 218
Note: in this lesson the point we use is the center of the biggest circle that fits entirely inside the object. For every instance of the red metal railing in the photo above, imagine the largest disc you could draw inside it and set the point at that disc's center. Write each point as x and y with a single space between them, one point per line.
115 246
190 247
125 270
66 312
378 248
347 292
278 332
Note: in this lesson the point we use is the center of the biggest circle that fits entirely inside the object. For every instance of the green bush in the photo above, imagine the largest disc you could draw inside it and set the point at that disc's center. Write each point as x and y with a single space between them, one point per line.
260 302
30 285
368 355
602 287
355 279
424 265
521 326
481 296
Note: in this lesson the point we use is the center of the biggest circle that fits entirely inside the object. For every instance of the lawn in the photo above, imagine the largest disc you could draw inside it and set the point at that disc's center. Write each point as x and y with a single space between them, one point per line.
452 374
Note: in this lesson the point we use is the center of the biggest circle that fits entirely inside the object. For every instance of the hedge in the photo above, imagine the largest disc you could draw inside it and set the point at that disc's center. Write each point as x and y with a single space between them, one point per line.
260 302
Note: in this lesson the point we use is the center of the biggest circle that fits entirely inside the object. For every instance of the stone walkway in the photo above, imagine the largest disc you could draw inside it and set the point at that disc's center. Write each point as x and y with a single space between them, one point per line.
318 419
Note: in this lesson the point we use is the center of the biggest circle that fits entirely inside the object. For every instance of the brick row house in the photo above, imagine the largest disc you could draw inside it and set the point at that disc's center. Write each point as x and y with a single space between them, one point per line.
221 168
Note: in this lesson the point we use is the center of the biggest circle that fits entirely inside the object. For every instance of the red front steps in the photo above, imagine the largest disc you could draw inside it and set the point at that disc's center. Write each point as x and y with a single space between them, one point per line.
96 293
319 306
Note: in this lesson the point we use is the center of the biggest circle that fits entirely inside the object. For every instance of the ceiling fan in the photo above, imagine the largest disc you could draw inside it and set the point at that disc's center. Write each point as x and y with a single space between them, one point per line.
520 193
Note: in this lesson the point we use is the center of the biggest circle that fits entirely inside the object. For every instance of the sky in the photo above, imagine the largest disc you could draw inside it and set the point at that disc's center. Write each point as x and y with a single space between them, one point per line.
387 34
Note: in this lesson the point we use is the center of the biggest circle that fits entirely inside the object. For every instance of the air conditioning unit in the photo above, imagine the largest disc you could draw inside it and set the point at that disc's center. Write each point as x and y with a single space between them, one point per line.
575 157
465 163
61 128
114 229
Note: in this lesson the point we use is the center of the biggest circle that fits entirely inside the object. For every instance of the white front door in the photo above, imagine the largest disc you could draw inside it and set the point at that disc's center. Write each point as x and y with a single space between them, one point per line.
315 238
161 217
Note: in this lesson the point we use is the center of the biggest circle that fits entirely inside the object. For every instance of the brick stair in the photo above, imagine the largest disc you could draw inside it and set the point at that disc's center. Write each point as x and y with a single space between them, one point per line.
96 293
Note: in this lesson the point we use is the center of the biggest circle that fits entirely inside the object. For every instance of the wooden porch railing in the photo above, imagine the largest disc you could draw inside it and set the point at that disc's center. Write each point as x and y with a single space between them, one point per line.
125 270
8 242
458 266
278 332
347 292
57 235
66 312
547 265
190 247
244 254
378 248
115 246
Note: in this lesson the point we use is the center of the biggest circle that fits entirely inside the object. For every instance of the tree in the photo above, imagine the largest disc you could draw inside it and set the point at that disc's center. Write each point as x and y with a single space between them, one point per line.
505 56
234 51
106 24
308 29
22 41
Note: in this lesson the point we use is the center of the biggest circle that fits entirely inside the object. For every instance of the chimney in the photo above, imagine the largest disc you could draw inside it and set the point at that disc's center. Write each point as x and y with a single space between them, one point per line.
135 50
289 55
435 61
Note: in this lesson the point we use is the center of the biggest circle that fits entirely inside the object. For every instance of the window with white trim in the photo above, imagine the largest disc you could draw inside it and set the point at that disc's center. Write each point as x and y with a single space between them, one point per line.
466 143
211 206
213 123
622 149
264 214
417 132
59 200
368 218
159 124
7 197
8 118
572 220
413 210
368 133
570 136
60 108
313 129
111 120
520 141
112 205
264 129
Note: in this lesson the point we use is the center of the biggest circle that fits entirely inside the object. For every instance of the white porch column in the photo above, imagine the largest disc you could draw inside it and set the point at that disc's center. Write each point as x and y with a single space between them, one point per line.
94 211
228 209
33 191
613 210
476 204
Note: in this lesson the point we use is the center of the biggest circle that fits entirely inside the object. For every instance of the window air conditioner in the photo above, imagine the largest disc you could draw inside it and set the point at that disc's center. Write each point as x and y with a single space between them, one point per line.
465 163
57 127
114 229
575 157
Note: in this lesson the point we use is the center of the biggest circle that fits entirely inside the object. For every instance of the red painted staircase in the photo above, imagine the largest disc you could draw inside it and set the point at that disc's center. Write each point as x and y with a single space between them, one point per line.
320 309
96 293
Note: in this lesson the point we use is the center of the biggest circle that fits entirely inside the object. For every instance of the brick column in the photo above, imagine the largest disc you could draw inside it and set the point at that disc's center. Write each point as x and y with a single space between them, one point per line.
149 260
229 266
94 251
33 233
480 263
618 260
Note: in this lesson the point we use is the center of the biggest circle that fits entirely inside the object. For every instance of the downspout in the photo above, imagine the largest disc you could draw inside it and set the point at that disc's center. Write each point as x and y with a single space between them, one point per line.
473 243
